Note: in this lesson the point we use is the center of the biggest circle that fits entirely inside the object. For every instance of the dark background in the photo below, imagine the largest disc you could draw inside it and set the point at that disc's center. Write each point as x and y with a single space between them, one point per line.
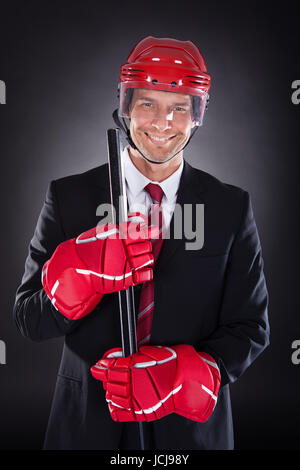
60 61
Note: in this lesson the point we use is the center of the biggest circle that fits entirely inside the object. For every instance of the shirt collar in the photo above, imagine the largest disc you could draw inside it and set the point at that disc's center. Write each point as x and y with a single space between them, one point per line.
137 181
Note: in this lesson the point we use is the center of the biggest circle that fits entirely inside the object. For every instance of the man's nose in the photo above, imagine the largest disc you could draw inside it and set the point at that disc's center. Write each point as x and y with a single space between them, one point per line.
162 122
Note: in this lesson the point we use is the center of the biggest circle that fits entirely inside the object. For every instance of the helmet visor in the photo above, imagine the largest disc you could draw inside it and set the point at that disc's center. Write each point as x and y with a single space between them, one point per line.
148 104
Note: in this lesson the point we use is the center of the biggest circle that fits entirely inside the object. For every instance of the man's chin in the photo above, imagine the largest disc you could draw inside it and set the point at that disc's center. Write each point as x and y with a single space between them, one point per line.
157 156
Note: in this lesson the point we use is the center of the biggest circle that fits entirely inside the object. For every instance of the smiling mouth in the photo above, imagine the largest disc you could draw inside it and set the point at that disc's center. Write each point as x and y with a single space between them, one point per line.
159 140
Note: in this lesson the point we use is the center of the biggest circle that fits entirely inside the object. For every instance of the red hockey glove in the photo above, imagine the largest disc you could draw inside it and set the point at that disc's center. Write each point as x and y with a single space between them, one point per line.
105 259
157 381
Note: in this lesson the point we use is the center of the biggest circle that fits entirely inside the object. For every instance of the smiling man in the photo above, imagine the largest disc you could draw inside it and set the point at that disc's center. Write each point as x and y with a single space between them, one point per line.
201 314
160 123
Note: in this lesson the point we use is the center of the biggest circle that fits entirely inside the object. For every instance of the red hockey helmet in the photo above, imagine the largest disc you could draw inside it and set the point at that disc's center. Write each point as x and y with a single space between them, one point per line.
165 64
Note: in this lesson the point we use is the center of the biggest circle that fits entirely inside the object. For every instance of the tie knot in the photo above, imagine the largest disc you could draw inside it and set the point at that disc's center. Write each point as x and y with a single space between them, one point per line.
155 192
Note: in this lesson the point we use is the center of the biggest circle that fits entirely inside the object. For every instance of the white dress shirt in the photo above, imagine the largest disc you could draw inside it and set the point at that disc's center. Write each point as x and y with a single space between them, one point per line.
140 200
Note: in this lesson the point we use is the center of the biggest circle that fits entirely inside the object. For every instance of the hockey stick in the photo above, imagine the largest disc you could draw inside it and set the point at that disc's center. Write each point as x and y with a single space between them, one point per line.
119 214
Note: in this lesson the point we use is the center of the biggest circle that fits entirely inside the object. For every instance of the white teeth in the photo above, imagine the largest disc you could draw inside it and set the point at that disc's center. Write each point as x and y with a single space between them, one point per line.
159 139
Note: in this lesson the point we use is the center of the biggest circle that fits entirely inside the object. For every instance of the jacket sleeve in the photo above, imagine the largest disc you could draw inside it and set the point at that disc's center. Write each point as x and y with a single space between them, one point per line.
243 331
34 314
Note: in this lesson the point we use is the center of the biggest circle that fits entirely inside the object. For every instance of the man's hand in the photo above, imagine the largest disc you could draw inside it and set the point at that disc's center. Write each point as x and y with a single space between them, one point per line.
105 259
157 381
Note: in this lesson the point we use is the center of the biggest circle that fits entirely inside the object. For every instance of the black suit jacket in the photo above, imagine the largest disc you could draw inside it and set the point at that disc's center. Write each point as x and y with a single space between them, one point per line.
214 298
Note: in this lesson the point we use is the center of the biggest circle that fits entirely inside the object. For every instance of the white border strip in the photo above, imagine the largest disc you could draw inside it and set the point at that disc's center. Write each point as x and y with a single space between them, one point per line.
151 409
105 276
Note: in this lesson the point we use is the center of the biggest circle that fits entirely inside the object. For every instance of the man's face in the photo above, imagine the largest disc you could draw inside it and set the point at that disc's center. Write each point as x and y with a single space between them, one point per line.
160 122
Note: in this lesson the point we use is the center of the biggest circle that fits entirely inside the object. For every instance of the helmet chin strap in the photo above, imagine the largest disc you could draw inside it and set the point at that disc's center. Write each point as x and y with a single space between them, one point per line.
126 131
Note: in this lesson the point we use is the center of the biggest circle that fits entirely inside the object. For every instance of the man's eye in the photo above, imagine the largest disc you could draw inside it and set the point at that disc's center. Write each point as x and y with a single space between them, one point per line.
180 109
147 105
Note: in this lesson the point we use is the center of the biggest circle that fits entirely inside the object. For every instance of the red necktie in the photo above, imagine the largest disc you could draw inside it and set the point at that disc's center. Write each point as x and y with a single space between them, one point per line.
146 306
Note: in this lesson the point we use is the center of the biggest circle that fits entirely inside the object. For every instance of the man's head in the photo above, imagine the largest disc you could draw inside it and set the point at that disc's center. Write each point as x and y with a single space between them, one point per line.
163 91
160 122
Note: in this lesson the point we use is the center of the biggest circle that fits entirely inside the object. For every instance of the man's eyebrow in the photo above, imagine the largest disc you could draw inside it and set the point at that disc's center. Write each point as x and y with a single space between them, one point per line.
185 103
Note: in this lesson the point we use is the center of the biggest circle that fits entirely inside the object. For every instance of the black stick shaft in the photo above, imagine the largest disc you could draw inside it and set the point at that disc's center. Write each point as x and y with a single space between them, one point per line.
119 214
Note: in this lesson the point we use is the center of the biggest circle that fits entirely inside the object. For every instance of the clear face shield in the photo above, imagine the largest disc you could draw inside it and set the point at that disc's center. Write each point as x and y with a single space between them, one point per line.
161 122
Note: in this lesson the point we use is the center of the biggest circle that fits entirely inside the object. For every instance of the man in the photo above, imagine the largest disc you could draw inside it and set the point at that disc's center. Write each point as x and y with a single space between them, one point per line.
202 312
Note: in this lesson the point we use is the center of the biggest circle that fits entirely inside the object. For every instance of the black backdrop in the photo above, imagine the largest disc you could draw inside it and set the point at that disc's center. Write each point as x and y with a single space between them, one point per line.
60 62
